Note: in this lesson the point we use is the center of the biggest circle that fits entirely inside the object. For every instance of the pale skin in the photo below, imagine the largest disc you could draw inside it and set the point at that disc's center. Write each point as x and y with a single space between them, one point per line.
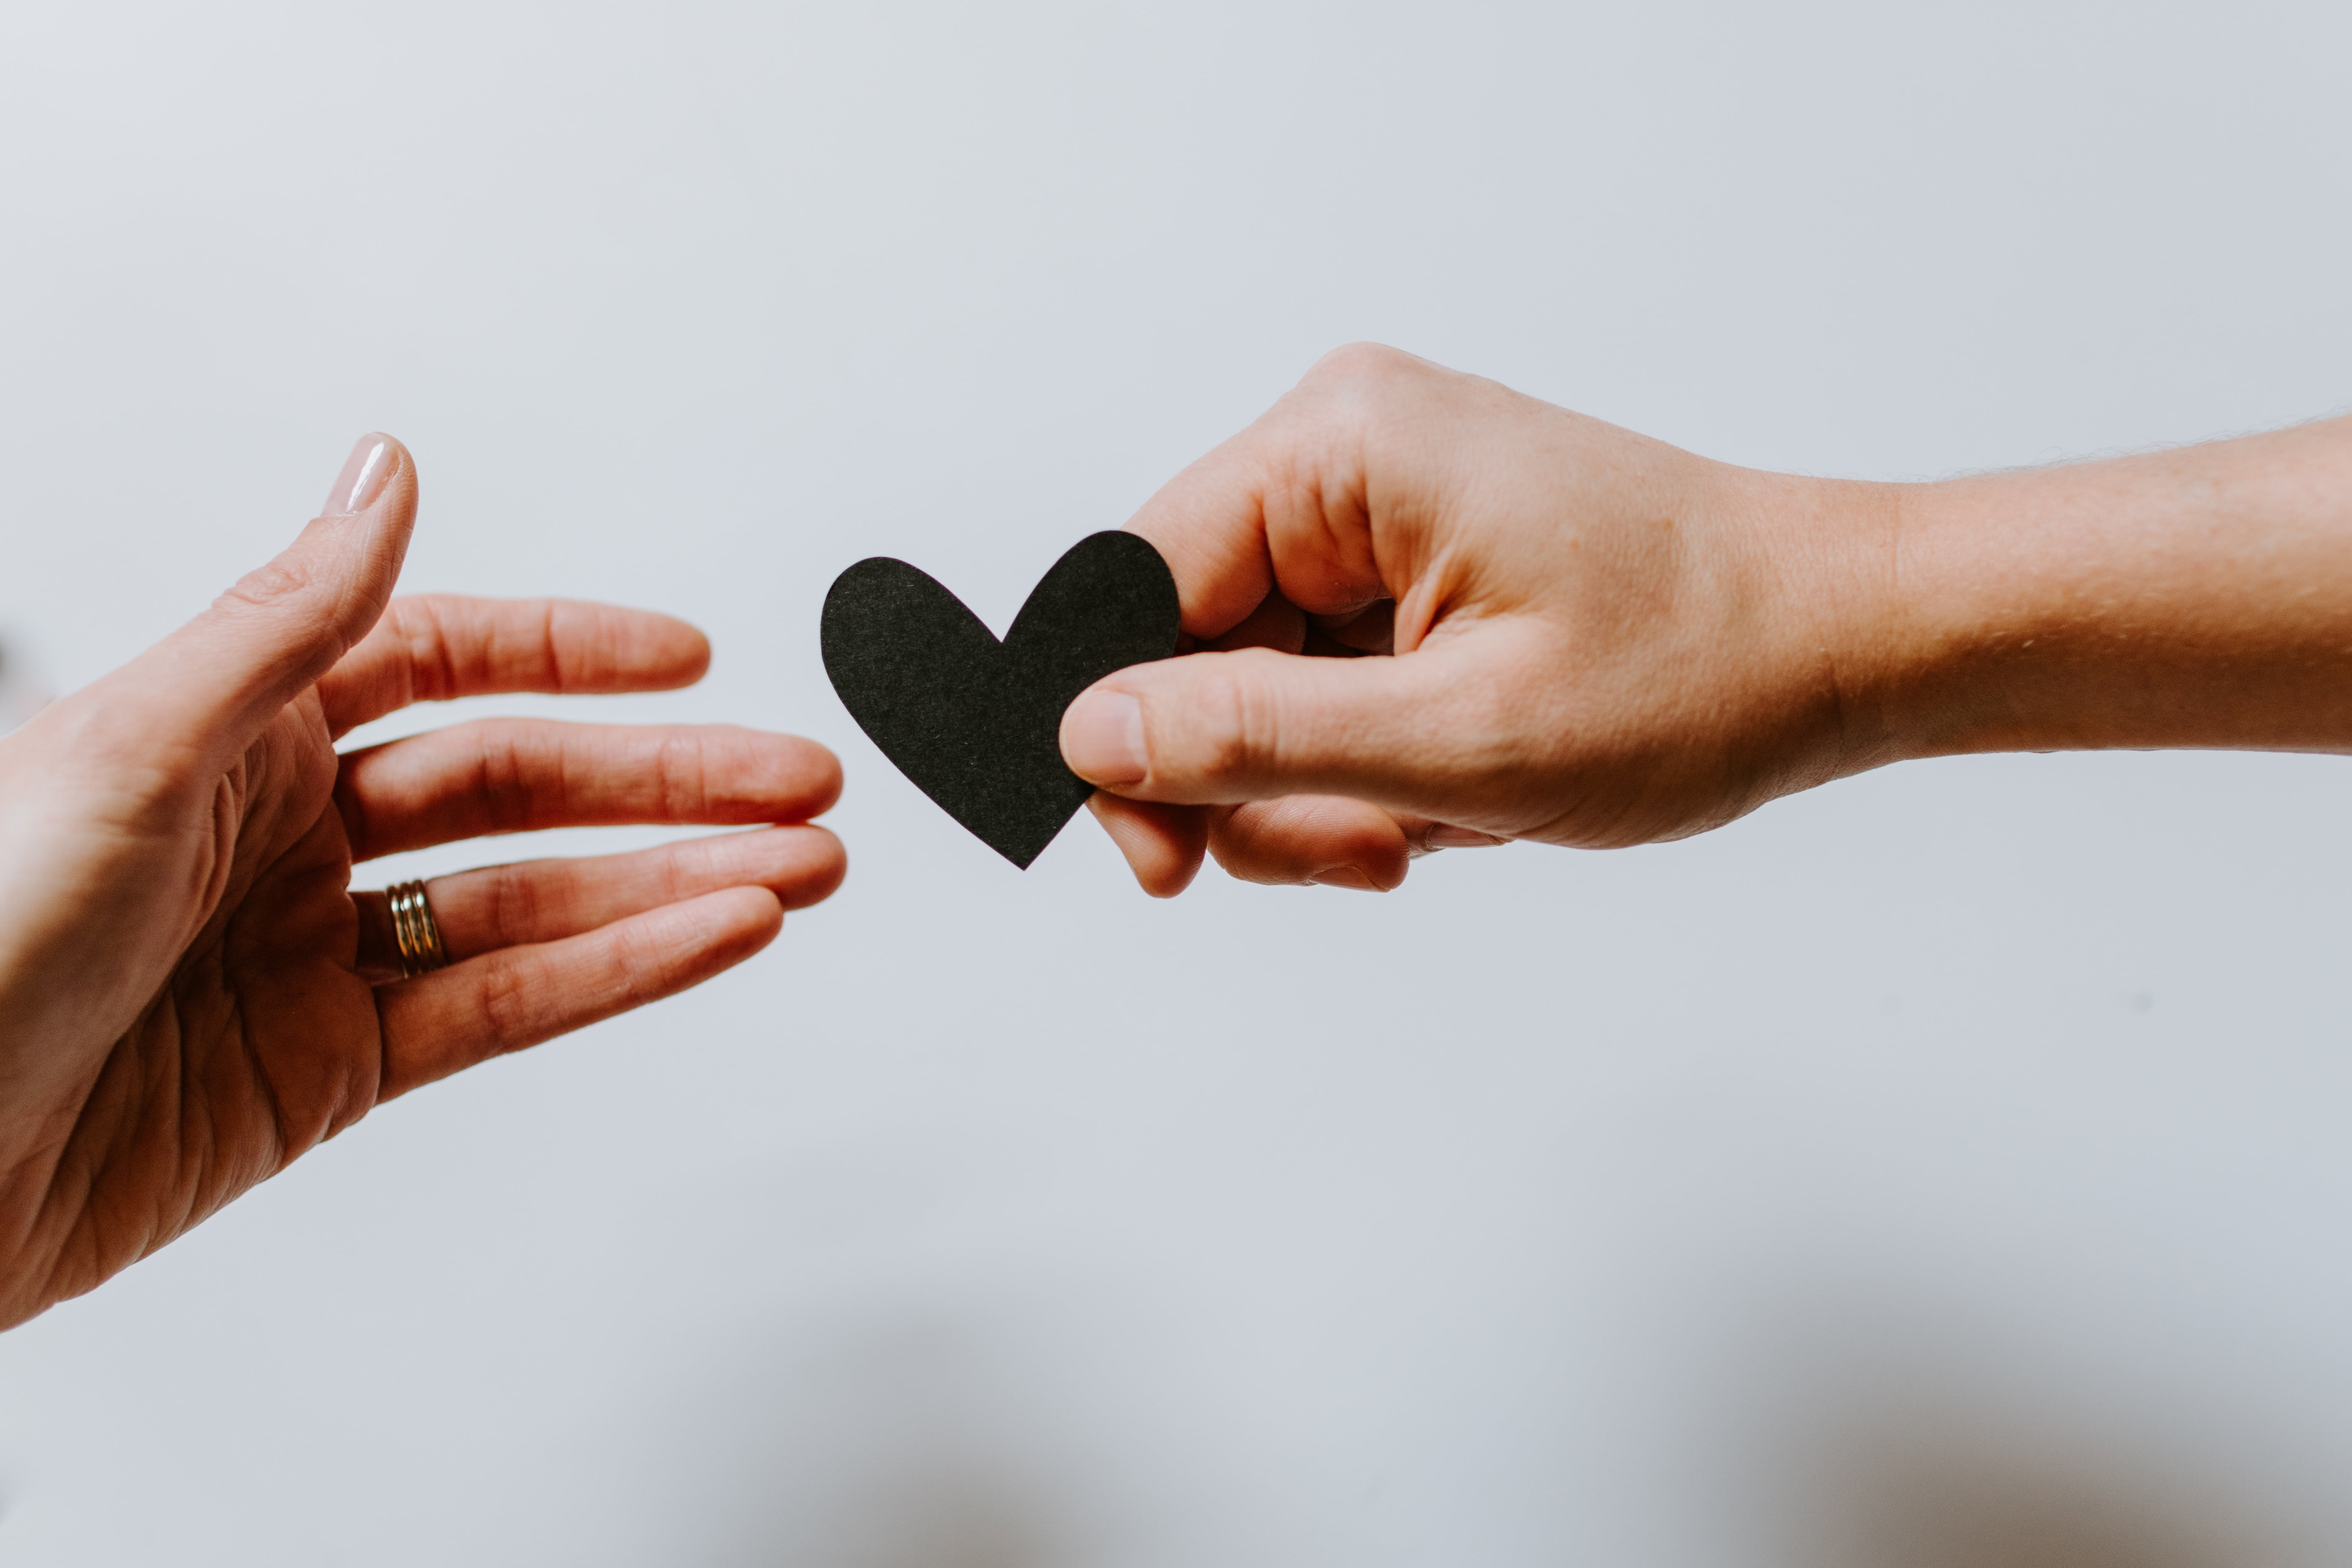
1537 625
191 995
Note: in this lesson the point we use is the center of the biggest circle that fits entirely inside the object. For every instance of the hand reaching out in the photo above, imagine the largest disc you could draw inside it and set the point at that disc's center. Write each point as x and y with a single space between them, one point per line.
1538 626
191 995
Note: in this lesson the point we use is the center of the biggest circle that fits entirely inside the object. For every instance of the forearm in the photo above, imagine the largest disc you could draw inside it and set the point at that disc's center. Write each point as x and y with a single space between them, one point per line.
2199 597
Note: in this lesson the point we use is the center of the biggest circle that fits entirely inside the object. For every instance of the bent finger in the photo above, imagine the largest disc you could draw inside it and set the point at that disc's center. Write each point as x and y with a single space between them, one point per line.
481 910
1163 844
1330 840
1326 840
518 775
1321 497
449 1020
431 648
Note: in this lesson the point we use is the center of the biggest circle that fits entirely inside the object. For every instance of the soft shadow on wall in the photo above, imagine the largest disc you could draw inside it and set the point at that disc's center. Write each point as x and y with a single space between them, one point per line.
1941 1449
1929 1493
900 1434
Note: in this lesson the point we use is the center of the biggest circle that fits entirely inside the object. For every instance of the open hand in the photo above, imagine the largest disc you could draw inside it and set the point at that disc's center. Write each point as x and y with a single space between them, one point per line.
191 995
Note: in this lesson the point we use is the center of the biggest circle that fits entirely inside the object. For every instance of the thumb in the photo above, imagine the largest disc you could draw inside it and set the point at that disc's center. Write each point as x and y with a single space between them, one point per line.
214 684
1402 732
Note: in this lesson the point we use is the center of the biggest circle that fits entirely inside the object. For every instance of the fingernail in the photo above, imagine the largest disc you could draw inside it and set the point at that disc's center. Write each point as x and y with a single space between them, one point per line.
362 477
1102 738
1444 835
1344 876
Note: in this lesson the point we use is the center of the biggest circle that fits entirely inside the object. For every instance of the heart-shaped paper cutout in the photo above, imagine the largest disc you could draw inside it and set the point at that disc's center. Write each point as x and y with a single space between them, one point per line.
976 724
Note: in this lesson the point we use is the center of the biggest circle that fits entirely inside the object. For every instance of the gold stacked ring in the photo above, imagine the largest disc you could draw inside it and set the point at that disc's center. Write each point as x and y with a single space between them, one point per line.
415 931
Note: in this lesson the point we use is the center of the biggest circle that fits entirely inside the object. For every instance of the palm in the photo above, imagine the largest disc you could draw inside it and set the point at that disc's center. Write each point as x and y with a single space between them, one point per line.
263 1039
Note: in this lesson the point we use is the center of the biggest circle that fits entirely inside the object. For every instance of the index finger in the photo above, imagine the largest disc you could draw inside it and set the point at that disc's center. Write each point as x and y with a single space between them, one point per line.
430 648
1301 501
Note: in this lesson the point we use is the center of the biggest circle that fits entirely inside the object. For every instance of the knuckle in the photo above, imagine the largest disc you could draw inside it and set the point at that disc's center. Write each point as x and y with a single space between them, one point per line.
432 655
272 584
679 874
1488 717
1235 724
640 968
422 669
504 778
1362 387
1481 732
508 1019
1347 406
289 593
514 900
681 772
292 595
548 637
1358 365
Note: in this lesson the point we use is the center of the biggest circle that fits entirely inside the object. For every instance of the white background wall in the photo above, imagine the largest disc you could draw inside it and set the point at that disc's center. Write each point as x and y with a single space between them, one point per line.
1952 1166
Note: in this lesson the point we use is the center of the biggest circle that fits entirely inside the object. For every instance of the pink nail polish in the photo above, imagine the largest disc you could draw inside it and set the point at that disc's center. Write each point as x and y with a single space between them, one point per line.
1444 835
1102 739
361 480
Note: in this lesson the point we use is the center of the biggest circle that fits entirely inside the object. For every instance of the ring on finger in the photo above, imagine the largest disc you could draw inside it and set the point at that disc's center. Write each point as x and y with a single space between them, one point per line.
415 931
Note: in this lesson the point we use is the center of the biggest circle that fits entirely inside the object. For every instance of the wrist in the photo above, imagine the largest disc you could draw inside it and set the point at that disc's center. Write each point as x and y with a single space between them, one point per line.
1838 666
2199 597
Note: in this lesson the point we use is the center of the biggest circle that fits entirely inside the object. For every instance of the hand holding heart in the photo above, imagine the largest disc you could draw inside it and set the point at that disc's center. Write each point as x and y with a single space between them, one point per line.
1434 612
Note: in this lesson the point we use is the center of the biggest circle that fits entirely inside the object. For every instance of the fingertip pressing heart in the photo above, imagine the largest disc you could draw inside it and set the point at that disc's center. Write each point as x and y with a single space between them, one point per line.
1102 738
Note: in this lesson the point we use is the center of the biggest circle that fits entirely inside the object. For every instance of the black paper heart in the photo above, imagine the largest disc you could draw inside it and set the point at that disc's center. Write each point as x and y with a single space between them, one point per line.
975 722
